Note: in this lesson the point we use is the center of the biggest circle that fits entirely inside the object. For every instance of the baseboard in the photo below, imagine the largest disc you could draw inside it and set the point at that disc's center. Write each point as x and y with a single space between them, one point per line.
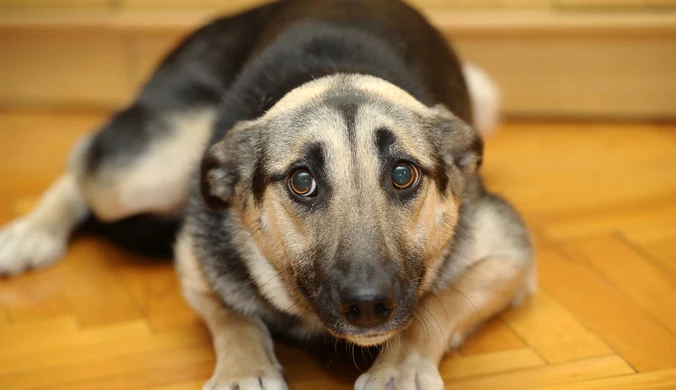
548 64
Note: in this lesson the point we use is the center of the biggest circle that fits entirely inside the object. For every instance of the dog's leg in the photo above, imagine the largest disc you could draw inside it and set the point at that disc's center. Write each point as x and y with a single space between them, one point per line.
140 162
245 358
40 238
123 182
410 361
113 178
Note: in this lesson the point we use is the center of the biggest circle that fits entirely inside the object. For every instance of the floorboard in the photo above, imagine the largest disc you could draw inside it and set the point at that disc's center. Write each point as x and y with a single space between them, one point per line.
599 197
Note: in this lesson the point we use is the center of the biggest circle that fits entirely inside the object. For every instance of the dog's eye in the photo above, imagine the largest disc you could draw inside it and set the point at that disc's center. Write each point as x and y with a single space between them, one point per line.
302 183
404 176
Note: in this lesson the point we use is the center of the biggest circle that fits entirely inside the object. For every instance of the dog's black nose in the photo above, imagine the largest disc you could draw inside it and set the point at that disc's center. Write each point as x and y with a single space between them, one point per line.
366 308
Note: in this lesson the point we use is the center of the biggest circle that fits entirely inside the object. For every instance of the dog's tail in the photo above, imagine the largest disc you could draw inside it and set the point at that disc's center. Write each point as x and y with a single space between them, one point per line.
485 97
147 234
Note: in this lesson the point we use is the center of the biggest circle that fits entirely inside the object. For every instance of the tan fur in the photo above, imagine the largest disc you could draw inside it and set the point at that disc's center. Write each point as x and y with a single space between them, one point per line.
283 235
488 272
387 91
446 319
272 272
436 225
243 346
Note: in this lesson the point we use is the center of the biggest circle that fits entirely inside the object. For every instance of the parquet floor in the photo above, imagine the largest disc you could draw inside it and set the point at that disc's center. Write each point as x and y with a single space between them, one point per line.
600 198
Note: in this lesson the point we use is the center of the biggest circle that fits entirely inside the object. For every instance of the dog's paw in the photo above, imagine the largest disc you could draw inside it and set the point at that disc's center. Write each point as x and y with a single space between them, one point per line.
414 373
265 382
25 244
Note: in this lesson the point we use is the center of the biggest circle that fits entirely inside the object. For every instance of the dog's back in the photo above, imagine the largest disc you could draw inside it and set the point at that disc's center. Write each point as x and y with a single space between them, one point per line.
305 40
238 67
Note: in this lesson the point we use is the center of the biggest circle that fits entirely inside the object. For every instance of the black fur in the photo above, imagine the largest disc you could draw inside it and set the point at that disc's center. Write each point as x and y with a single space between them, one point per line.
198 73
243 65
147 234
307 39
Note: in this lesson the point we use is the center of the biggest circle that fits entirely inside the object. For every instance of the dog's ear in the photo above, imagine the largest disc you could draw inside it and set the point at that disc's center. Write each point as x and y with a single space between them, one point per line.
459 144
227 164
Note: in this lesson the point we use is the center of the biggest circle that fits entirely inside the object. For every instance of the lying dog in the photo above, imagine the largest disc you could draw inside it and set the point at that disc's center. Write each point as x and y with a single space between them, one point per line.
337 195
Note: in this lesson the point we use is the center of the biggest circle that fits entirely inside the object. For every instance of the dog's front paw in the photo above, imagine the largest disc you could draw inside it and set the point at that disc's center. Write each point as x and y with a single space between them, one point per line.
413 373
263 382
25 244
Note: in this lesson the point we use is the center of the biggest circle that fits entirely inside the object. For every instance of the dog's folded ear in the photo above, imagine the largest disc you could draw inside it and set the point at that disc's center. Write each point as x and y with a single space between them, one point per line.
226 164
459 143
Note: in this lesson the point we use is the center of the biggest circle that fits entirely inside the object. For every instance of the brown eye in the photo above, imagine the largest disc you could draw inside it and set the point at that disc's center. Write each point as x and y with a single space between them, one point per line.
404 176
302 183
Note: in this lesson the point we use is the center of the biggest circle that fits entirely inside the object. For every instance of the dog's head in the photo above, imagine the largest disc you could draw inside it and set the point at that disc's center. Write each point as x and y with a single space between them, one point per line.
351 190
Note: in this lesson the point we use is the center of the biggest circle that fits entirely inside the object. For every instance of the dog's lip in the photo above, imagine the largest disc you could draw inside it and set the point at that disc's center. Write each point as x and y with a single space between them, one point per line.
370 339
374 335
365 335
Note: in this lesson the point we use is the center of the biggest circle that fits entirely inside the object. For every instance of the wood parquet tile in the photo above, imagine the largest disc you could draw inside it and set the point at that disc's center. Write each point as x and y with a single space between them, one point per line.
600 198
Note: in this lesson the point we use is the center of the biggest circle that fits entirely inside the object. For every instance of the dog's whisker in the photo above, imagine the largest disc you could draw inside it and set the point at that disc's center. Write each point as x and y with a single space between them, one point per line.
470 236
458 276
354 359
441 331
335 345
429 326
468 300
421 322
314 330
441 303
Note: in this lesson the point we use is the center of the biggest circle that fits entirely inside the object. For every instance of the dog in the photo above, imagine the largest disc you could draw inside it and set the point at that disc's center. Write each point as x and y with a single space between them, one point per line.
320 161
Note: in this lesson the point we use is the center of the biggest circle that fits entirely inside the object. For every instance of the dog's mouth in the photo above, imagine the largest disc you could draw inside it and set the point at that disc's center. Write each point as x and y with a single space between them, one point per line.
370 339
367 323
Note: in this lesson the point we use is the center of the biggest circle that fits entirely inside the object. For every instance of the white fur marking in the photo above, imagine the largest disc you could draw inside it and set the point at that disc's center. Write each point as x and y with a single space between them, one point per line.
485 97
455 340
159 181
40 238
412 372
267 278
440 217
270 284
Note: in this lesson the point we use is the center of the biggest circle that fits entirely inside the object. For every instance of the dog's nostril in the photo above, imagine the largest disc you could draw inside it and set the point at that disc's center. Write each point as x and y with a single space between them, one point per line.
353 312
382 309
366 311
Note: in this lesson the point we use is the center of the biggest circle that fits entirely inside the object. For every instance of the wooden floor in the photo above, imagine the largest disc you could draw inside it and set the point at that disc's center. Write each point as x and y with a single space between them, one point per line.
600 198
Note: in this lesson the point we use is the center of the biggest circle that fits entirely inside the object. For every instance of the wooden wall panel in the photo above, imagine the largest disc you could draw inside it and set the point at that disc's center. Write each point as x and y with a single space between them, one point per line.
546 63
579 76
607 4
426 4
627 5
526 3
56 4
226 5
147 51
575 76
440 4
63 68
